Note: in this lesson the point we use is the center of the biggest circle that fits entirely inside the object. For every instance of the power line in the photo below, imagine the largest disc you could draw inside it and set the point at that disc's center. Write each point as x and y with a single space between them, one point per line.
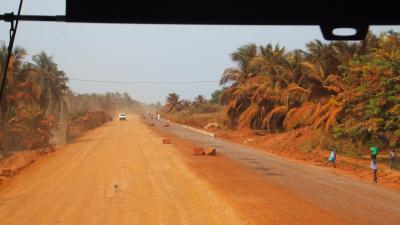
145 82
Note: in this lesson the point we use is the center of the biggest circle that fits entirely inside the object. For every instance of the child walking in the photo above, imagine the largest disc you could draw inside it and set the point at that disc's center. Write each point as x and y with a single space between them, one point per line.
332 157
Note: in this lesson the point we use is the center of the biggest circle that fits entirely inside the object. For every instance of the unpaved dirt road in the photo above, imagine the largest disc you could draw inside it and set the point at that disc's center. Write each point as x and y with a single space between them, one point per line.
122 174
118 174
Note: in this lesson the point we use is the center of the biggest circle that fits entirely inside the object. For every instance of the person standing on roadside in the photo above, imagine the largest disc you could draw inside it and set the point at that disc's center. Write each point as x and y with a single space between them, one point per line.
374 168
392 157
332 157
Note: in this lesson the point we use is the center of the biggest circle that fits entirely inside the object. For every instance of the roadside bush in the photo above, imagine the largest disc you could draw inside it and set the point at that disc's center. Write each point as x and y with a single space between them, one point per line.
89 120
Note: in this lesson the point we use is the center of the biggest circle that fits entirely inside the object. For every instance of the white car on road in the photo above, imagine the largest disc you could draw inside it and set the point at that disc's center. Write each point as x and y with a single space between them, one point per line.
122 116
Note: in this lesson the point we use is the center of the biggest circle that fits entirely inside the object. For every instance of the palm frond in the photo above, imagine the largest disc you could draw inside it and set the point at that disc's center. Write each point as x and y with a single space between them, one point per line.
230 75
249 117
297 117
274 119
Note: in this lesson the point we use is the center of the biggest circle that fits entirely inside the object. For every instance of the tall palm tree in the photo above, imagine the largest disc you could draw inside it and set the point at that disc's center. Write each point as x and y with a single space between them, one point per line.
345 51
237 95
273 62
53 83
324 54
277 83
242 57
31 127
173 102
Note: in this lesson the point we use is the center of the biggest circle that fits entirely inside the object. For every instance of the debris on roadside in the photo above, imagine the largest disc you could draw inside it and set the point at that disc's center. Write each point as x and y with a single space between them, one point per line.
166 141
211 151
212 125
198 151
166 125
151 124
299 133
248 140
12 163
7 173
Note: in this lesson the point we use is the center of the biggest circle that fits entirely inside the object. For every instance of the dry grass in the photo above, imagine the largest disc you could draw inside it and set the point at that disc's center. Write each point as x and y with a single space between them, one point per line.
196 119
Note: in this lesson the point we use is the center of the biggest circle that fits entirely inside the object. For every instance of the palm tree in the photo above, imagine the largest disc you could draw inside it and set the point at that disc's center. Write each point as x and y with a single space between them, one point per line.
254 91
200 100
184 104
271 61
172 102
344 51
31 127
322 53
346 86
242 57
236 96
12 93
275 84
53 83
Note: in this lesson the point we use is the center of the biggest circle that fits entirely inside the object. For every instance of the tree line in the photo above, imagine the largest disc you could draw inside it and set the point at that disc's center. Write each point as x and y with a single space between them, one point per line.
37 98
347 90
200 104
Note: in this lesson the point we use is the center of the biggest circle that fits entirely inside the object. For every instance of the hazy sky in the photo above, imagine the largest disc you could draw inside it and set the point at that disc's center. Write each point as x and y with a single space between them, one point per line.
157 53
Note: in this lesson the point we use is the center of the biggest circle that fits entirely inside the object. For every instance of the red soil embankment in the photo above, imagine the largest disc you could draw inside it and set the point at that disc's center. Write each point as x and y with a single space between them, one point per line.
12 163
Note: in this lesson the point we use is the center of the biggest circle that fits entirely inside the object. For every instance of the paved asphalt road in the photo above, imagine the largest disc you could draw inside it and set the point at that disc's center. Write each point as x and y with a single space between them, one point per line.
367 202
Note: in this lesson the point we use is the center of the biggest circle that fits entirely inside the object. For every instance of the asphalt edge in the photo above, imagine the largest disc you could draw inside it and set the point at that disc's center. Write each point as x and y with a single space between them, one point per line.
192 128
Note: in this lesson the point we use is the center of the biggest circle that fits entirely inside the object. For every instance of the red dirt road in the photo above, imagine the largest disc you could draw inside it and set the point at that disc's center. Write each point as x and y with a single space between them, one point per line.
118 174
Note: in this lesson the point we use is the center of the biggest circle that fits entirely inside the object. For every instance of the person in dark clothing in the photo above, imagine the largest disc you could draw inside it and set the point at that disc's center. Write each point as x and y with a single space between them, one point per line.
374 168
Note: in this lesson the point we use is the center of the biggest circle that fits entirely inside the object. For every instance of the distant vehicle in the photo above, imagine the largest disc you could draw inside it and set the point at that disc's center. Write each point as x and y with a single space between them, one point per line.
122 116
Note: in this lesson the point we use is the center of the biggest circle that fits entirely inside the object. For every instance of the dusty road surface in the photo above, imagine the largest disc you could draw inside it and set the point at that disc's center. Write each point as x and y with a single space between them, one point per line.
118 174
122 174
